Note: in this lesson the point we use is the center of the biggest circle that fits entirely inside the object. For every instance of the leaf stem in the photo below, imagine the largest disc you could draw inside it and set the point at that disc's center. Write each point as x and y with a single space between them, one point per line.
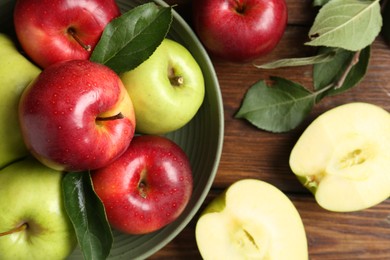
339 83
354 61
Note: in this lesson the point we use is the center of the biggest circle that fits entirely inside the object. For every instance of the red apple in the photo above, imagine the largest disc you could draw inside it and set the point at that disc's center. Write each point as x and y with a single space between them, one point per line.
147 188
76 115
240 30
50 31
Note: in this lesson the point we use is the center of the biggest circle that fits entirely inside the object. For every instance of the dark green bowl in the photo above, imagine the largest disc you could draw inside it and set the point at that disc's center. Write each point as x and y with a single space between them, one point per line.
201 139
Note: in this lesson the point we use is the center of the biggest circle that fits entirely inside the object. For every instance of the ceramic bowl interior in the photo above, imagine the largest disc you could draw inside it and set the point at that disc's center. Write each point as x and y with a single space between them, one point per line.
201 139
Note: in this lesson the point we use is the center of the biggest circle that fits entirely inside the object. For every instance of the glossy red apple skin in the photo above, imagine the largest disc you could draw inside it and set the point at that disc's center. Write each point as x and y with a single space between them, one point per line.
240 30
43 27
58 115
147 188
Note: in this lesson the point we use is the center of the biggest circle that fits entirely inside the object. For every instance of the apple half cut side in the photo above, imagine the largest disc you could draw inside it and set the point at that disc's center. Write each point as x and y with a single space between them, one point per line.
343 157
251 220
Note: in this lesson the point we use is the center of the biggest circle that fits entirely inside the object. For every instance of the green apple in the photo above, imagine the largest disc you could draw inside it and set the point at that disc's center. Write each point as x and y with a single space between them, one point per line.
343 157
252 219
16 73
167 89
33 221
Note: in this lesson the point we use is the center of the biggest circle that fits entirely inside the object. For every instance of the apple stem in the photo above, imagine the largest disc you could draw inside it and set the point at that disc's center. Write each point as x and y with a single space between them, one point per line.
14 230
72 32
176 81
141 189
240 7
115 117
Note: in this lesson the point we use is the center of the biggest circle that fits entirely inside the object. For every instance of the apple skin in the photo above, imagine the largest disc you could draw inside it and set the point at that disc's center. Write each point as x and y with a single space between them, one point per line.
16 73
240 30
69 116
31 193
44 27
161 103
147 188
251 219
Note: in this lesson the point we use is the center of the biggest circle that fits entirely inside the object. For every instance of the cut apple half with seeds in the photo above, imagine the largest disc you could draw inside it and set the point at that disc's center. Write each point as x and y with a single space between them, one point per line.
251 220
343 157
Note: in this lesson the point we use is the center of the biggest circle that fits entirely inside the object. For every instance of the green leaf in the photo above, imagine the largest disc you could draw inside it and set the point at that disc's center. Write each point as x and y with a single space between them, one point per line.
130 39
290 62
320 2
277 108
88 216
347 24
328 73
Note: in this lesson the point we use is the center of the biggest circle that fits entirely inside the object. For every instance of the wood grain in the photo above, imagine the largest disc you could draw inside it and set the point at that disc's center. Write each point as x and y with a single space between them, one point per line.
251 153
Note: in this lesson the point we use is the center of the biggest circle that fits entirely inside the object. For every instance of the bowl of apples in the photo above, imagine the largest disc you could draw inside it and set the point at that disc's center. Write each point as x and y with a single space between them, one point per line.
188 139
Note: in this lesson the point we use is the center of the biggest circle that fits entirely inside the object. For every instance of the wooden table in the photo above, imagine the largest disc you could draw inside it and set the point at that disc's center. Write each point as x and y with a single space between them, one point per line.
251 153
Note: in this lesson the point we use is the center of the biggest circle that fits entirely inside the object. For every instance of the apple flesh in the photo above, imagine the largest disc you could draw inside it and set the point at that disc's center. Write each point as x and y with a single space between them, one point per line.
167 89
343 157
251 220
33 220
240 30
147 188
76 115
16 73
56 30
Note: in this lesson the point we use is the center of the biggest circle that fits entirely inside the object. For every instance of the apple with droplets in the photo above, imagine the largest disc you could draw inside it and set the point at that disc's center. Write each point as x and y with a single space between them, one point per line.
343 157
76 116
52 31
148 187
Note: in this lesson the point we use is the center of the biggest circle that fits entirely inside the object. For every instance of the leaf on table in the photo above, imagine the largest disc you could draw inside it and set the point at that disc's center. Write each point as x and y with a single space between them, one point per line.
291 62
87 215
330 72
347 24
277 108
130 39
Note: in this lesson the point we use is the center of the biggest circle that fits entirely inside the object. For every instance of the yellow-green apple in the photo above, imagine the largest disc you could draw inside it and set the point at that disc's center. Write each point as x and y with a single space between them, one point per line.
16 73
240 30
343 157
147 188
33 220
167 89
56 30
76 115
252 219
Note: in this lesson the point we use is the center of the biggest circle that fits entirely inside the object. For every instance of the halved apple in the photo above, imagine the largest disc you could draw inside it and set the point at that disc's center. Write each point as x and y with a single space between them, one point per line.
251 220
343 157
